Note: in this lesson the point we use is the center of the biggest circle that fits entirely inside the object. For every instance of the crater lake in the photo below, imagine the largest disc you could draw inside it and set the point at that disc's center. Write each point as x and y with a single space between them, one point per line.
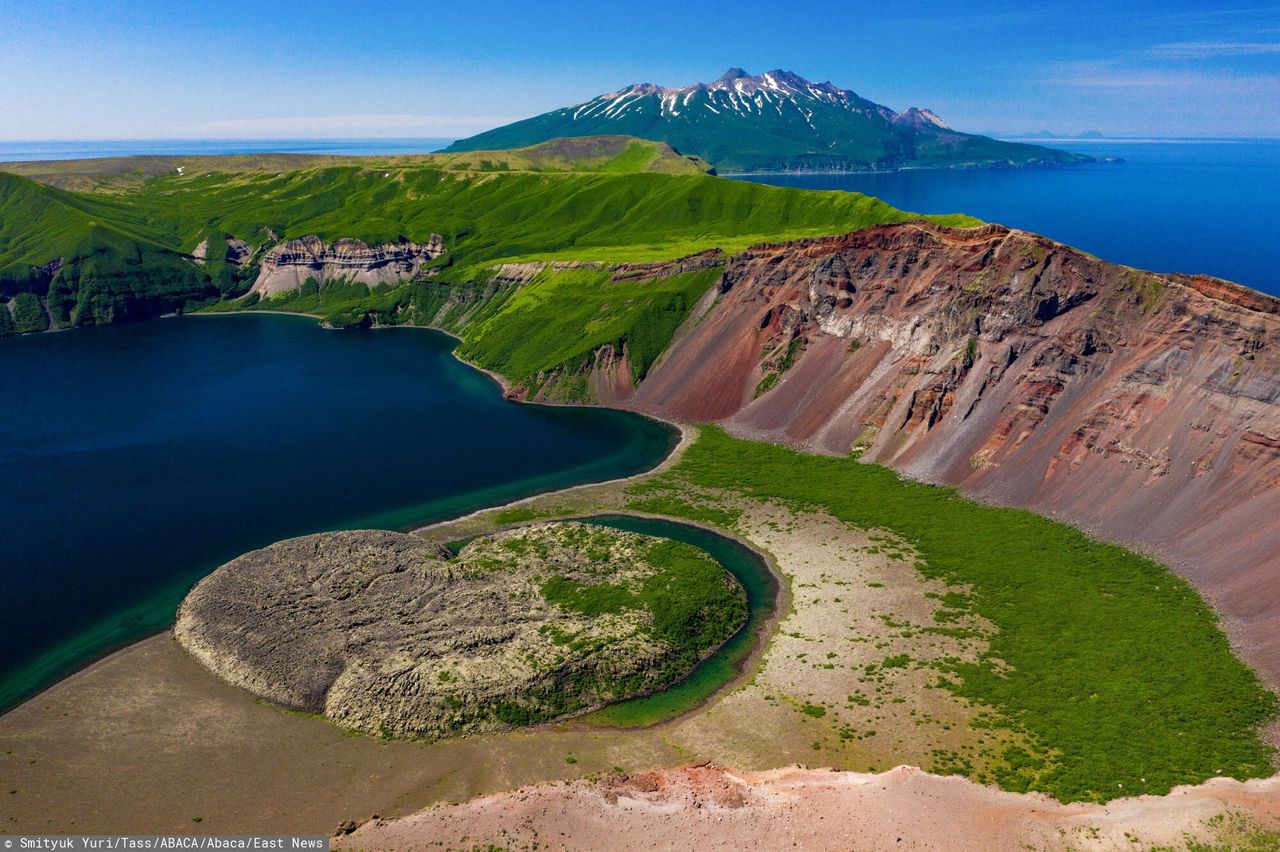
138 457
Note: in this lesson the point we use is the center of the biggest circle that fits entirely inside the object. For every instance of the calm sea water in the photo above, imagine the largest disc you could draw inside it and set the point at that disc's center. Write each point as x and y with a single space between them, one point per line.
1207 207
67 150
136 458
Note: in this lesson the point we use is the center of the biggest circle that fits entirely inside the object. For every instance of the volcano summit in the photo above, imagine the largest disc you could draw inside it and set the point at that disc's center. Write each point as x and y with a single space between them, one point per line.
776 121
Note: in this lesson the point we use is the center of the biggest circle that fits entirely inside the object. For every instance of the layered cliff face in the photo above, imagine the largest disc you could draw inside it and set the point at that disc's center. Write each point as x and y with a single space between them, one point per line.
1140 406
288 265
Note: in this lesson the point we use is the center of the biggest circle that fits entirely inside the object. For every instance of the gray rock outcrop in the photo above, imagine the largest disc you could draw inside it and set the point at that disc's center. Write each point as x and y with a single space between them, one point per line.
384 633
288 265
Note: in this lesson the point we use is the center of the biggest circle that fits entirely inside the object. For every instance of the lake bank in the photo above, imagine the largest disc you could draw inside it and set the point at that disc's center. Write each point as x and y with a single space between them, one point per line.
124 495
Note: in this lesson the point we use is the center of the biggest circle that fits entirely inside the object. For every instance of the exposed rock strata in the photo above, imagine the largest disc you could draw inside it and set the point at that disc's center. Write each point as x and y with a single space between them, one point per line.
239 253
384 633
288 265
1144 407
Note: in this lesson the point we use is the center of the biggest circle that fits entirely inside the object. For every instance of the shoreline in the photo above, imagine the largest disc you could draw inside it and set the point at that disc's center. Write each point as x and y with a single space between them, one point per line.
686 435
748 665
976 167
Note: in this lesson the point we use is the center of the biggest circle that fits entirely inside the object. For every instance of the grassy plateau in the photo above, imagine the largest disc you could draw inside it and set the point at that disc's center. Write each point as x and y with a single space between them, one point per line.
107 240
119 244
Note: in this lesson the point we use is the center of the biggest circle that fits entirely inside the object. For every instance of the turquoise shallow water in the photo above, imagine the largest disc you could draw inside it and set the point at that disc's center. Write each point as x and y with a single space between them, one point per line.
136 458
1186 206
724 665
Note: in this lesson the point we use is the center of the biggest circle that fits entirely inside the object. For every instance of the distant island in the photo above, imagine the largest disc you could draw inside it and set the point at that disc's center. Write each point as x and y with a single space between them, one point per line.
773 122
1049 134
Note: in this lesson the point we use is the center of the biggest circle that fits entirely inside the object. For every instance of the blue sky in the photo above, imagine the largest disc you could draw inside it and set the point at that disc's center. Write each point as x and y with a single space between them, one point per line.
163 69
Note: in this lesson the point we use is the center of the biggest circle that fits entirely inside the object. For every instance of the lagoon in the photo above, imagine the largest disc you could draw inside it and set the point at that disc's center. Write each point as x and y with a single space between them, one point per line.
136 458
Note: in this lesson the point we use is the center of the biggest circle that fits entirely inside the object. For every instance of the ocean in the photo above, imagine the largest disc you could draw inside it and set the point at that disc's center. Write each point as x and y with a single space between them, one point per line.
1171 206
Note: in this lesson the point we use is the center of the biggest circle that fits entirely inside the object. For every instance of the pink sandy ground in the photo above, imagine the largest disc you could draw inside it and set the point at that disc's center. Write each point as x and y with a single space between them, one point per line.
707 807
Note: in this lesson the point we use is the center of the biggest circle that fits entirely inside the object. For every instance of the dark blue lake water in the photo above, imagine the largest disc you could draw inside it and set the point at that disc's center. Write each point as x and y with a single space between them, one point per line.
136 458
1208 207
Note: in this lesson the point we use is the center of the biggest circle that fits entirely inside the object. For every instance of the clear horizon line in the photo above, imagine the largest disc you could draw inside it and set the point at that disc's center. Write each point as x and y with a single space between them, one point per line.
1142 138
33 140
992 134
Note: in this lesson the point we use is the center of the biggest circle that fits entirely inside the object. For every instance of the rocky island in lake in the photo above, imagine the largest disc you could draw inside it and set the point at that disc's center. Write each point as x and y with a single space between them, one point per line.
385 633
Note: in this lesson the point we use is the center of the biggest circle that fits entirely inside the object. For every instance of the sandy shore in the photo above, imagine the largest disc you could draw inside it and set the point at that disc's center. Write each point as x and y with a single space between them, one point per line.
688 434
147 740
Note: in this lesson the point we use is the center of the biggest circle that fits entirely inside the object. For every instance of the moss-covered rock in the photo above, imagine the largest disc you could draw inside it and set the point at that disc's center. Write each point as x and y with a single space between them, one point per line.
386 634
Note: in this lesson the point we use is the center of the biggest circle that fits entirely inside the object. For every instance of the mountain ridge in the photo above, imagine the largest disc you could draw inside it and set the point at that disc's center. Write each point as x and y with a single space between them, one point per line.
774 121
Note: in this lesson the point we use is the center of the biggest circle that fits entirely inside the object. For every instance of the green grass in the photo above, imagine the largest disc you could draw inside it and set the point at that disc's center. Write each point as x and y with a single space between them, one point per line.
726 663
691 602
1114 669
125 247
28 314
708 512
561 317
766 384
341 303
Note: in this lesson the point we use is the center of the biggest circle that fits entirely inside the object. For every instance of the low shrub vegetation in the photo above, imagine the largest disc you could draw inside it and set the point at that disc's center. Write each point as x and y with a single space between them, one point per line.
1113 668
692 603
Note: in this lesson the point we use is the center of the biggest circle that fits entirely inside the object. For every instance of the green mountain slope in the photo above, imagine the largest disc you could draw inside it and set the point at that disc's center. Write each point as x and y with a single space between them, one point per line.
91 259
608 154
777 121
126 249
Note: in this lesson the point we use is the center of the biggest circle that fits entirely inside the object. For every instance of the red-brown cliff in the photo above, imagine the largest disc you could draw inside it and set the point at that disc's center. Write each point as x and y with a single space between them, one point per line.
1143 407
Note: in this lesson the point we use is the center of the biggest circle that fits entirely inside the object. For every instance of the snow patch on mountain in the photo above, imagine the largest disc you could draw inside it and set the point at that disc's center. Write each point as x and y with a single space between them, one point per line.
747 94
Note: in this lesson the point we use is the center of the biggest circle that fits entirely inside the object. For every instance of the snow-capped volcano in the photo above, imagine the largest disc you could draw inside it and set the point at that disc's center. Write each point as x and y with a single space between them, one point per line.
777 120
735 91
